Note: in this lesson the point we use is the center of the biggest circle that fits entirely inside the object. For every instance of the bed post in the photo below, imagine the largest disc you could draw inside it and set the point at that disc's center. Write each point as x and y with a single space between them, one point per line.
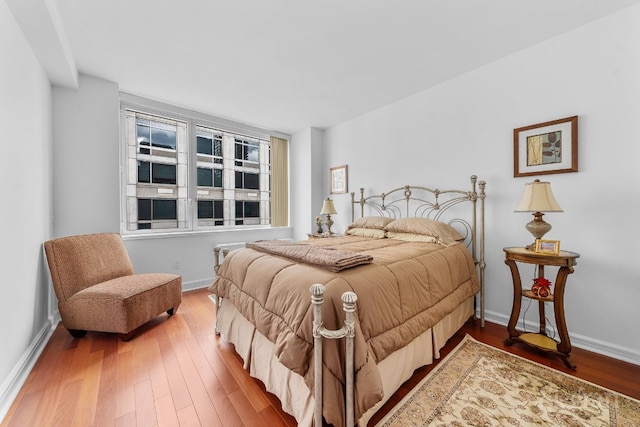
477 243
360 202
216 266
319 332
481 262
216 257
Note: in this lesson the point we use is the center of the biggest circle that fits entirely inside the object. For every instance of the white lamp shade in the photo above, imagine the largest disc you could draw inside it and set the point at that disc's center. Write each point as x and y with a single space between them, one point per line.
328 208
538 197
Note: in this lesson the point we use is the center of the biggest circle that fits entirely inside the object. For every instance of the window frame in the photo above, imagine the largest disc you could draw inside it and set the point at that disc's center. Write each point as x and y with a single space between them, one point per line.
194 120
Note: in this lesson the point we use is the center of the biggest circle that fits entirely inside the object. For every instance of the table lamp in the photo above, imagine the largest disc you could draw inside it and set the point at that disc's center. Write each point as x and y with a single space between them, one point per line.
328 209
538 198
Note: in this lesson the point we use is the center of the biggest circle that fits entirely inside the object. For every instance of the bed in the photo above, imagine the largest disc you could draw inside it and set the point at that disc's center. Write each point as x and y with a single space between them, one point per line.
414 256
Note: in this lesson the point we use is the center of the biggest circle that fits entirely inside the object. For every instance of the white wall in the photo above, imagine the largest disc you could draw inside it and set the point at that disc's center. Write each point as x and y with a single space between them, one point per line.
25 171
307 178
86 186
465 126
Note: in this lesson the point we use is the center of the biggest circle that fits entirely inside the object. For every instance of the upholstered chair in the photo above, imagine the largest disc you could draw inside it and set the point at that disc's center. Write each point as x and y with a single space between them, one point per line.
98 290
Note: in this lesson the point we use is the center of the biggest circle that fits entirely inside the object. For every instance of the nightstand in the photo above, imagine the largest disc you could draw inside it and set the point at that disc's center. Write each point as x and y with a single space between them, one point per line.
565 260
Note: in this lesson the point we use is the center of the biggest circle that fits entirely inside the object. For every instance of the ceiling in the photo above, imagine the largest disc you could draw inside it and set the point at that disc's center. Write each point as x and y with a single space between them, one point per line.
287 65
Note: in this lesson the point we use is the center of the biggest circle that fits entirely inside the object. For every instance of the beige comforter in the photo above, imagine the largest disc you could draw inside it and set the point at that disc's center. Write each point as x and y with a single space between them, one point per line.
408 288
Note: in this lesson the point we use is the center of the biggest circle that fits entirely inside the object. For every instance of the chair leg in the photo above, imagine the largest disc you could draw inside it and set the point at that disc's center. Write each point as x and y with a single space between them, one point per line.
77 333
173 310
126 337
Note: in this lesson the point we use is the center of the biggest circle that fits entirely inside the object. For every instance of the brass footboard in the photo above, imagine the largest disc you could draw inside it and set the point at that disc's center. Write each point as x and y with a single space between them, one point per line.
217 260
319 332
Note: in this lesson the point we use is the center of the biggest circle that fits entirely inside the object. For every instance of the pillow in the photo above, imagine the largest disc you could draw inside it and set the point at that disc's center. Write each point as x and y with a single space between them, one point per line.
366 232
445 234
376 222
412 237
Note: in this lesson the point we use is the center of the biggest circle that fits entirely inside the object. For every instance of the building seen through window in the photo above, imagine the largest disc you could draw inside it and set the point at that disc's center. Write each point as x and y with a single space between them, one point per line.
221 179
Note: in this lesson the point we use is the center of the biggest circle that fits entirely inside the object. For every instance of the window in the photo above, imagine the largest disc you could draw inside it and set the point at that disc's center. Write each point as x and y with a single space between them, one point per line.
156 172
210 157
211 211
246 180
210 144
182 173
246 212
155 135
161 212
247 152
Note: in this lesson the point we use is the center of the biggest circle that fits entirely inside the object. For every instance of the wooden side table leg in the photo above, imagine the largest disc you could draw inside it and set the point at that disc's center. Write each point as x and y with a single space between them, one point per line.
517 302
541 313
564 346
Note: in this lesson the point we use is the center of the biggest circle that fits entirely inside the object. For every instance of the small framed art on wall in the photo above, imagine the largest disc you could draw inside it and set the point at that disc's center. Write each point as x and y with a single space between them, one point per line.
338 179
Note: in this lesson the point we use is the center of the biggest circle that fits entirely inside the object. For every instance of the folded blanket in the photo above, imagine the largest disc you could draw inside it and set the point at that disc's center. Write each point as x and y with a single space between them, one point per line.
327 258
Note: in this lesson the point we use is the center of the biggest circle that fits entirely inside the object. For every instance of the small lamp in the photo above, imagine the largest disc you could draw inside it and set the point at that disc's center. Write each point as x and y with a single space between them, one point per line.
538 198
328 209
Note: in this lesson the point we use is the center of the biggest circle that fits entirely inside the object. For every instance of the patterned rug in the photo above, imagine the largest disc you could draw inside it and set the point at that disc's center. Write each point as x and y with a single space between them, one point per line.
479 385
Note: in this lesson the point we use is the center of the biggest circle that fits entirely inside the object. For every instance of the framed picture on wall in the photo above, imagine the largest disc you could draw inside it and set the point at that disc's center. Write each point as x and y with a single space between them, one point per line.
338 178
546 148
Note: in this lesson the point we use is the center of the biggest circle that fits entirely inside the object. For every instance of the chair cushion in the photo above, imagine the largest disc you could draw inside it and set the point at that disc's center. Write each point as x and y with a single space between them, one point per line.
122 304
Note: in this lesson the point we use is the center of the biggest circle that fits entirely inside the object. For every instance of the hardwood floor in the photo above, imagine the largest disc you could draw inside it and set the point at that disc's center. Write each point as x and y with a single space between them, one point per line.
176 372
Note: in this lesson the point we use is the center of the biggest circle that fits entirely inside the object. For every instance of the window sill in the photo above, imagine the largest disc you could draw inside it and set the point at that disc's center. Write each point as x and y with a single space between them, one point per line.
200 233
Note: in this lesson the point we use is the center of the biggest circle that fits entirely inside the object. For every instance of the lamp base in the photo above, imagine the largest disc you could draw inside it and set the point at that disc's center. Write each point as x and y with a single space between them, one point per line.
329 223
538 228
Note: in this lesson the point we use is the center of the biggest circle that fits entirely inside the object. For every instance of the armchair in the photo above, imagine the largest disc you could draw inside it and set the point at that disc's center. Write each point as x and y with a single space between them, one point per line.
98 290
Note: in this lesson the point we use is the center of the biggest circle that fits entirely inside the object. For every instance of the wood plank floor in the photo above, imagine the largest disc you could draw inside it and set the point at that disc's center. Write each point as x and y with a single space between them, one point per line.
176 372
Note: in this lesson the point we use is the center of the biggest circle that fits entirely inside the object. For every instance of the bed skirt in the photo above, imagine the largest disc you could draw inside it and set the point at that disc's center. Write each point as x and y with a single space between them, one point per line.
290 388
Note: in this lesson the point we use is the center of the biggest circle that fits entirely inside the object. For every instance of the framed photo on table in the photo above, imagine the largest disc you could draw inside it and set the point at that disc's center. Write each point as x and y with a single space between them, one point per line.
338 179
546 148
549 247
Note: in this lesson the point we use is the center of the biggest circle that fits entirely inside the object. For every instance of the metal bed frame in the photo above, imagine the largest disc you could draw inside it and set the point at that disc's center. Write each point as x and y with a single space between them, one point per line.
422 202
419 202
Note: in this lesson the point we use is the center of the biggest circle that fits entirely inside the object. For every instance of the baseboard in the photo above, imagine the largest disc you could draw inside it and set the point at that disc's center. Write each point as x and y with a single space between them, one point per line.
579 341
196 284
18 375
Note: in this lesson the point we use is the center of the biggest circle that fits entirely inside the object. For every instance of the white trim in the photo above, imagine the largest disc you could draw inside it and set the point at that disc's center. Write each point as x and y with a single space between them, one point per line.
18 375
197 284
226 231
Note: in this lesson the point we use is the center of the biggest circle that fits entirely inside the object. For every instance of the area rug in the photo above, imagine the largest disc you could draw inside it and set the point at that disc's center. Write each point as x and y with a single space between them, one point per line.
479 385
